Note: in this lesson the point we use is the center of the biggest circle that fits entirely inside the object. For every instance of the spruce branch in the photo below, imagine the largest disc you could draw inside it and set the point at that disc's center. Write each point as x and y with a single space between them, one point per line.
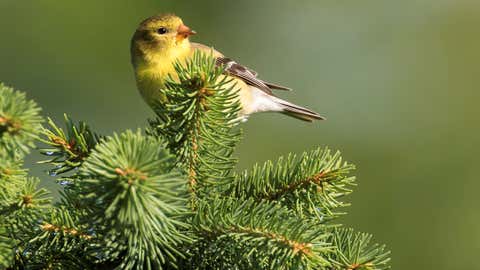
270 237
197 118
61 239
19 121
28 206
27 202
12 178
58 230
67 148
136 199
23 212
354 252
310 184
32 197
7 245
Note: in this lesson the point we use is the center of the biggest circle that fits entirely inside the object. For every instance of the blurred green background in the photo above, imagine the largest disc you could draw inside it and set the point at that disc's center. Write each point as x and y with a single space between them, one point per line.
398 81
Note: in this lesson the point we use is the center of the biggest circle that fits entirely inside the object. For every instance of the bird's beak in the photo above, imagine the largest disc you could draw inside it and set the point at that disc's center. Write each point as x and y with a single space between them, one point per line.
184 32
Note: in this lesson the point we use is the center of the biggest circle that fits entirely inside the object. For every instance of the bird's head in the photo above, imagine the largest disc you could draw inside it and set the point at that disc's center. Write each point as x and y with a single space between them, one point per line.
159 34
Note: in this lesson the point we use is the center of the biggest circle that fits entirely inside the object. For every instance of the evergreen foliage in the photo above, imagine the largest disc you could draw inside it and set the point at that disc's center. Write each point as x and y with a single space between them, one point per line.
197 119
19 121
310 185
67 149
170 198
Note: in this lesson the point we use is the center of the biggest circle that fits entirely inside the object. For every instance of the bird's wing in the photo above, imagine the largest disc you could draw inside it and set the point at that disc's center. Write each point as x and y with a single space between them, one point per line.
248 76
234 69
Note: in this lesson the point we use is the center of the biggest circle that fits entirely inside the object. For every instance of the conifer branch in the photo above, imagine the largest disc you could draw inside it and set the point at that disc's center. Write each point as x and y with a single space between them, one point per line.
354 252
278 238
142 206
61 240
310 184
19 121
197 118
23 212
7 245
27 202
12 178
67 149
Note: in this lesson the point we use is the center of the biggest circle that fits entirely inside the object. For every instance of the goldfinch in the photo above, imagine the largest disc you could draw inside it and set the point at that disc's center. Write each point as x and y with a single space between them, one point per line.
161 40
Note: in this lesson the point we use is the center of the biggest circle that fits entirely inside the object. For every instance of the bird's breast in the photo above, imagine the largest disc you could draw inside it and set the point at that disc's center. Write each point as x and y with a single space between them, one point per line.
149 82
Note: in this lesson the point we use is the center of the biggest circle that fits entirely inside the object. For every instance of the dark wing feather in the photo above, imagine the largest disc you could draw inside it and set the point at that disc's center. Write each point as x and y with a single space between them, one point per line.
247 75
276 86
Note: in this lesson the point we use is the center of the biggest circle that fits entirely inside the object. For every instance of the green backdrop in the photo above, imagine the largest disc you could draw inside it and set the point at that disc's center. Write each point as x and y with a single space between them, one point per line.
398 81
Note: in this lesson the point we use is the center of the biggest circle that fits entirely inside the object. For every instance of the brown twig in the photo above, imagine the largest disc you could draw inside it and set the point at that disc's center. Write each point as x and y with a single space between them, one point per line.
317 179
70 231
297 247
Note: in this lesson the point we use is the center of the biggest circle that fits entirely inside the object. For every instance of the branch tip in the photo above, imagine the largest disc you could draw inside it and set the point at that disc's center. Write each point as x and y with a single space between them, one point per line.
134 174
27 200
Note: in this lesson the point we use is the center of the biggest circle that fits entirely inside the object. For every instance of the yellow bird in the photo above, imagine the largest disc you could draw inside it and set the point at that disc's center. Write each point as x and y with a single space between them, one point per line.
162 39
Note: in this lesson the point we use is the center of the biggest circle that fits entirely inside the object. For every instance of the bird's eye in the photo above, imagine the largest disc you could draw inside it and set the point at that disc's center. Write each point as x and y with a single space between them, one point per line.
162 30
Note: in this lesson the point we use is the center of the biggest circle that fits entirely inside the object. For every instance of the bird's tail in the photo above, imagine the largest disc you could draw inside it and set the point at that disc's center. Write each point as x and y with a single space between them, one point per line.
298 111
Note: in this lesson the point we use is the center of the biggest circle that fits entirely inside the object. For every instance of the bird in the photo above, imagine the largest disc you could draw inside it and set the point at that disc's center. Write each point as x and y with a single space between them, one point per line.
161 40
